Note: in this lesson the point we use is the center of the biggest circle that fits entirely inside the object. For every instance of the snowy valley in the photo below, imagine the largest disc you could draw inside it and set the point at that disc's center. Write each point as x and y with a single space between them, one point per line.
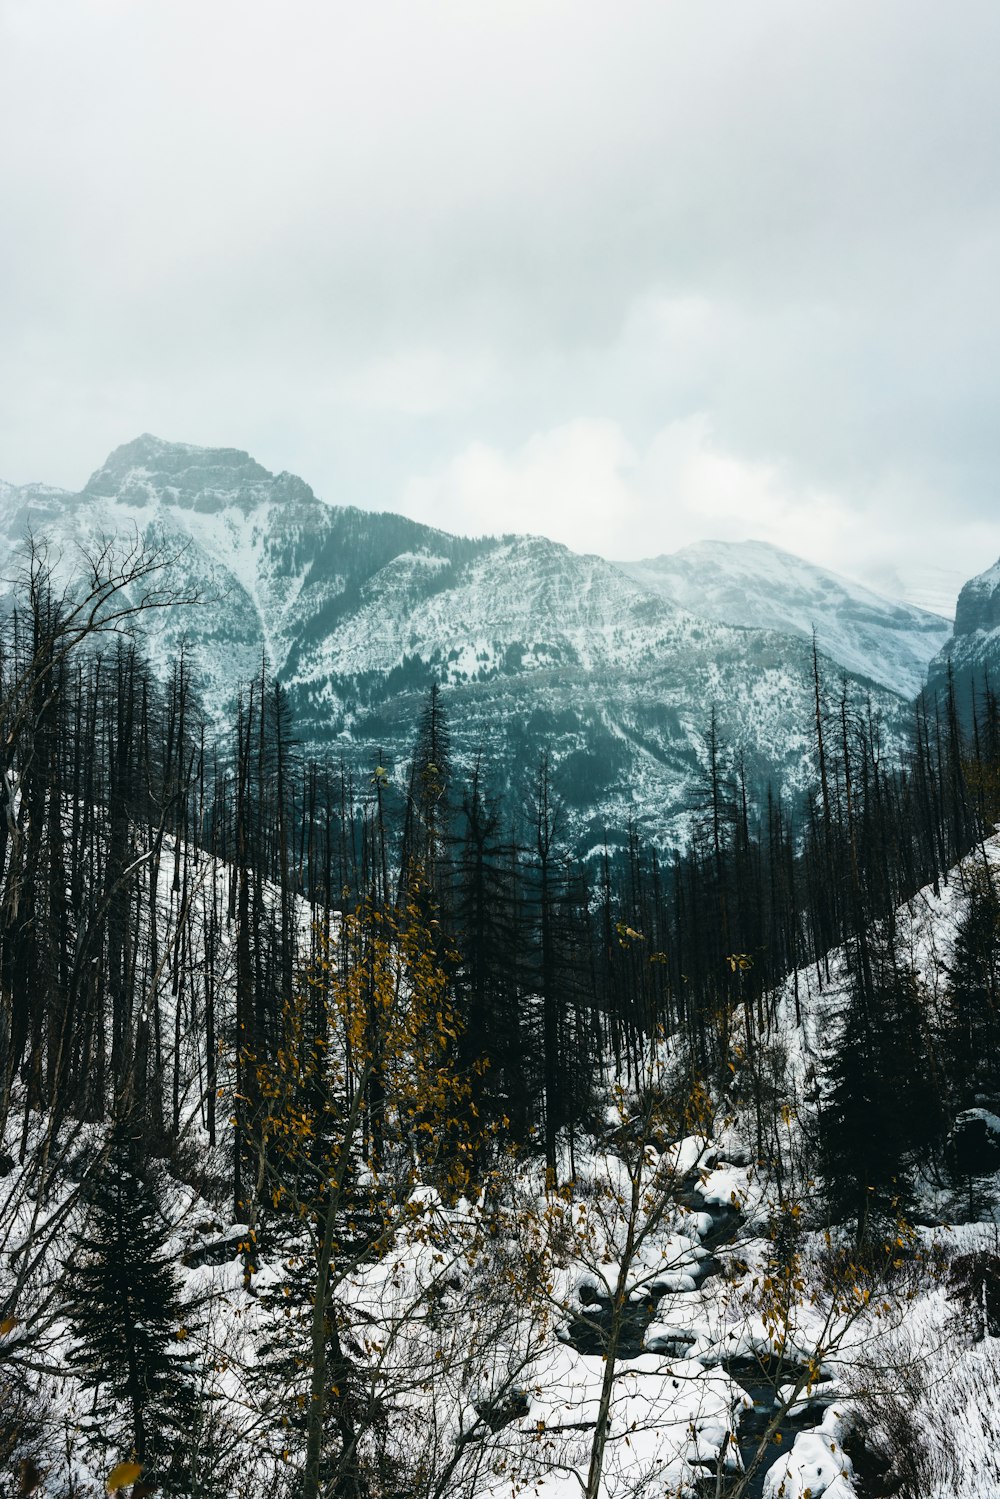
499 750
472 1026
680 1291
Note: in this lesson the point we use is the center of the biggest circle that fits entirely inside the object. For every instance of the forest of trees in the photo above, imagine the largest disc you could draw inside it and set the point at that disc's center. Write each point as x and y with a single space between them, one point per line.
206 942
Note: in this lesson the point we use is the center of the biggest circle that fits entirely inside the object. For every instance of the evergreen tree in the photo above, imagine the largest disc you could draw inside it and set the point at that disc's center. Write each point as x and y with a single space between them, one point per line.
428 810
882 1105
125 1311
486 980
860 1159
973 1014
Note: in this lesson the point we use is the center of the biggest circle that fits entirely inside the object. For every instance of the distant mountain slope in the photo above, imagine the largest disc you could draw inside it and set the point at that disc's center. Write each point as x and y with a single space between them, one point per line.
755 585
540 647
934 588
973 650
358 613
272 561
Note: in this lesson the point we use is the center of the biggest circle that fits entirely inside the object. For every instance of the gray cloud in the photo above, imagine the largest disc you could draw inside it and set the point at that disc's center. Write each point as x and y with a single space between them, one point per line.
712 266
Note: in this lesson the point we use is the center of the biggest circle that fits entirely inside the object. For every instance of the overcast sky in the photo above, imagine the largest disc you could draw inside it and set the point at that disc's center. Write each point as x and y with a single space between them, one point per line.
628 274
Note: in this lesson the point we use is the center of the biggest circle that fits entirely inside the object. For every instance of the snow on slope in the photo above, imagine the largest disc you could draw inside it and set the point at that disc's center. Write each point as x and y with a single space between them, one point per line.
759 586
264 554
526 591
543 648
678 1402
415 1325
359 612
946 1381
932 588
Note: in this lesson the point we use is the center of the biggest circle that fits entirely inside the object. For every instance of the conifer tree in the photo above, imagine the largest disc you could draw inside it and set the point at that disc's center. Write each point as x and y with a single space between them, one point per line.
860 1153
486 978
427 803
883 1104
974 995
125 1311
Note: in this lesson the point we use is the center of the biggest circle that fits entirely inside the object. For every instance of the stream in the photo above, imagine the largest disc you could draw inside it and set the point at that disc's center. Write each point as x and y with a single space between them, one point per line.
760 1378
761 1383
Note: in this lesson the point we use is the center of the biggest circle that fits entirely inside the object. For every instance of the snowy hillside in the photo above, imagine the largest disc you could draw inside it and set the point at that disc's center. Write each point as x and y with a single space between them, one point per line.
482 1327
358 613
759 586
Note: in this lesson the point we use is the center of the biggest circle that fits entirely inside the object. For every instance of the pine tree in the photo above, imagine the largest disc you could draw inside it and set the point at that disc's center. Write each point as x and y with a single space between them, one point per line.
973 1015
428 808
860 1159
125 1310
883 1105
486 980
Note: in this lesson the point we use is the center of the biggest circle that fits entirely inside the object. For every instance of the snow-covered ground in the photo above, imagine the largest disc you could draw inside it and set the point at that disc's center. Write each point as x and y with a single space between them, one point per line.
479 1332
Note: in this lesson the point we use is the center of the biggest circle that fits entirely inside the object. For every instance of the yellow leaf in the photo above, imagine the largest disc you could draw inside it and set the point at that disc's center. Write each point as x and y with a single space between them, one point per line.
122 1475
7 1326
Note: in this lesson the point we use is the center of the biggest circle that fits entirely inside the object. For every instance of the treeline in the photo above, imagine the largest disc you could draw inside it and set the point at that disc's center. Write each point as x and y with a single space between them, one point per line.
164 892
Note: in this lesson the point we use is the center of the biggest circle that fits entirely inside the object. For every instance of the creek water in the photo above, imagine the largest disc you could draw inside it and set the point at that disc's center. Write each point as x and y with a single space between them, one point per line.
760 1378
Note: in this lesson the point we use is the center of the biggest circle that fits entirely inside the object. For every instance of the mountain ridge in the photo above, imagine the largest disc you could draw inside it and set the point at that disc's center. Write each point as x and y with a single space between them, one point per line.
359 612
758 585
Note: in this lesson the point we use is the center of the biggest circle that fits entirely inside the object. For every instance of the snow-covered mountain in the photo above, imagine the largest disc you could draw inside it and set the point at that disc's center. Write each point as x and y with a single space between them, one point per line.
753 584
268 558
973 650
539 647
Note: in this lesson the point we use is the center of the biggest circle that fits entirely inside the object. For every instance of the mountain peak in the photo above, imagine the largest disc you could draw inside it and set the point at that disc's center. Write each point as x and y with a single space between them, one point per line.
205 479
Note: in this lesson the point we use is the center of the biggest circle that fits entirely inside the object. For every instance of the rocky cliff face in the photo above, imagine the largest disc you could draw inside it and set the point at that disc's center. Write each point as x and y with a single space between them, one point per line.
973 652
537 646
978 610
